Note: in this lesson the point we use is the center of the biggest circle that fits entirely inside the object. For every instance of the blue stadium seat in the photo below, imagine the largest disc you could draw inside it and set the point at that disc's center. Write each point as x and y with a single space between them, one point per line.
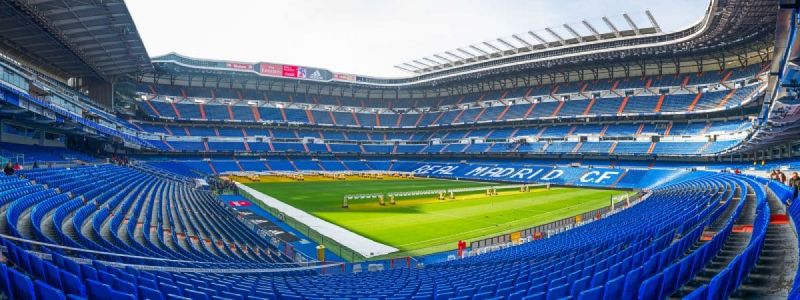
21 286
632 281
595 293
97 290
650 288
45 291
72 284
614 288
558 292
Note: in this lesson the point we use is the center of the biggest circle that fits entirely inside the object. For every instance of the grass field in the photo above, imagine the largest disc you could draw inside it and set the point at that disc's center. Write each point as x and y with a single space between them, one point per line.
426 225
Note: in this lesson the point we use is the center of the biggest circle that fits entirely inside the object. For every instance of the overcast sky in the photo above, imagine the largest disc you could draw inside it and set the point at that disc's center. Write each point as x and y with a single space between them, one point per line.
369 37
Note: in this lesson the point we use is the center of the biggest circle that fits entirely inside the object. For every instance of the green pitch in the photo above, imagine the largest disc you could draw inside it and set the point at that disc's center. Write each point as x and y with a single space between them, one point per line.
426 225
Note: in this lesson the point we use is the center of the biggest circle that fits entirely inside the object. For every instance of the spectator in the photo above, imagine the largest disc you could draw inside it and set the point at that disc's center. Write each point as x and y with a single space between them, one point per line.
781 176
17 167
35 165
794 183
9 169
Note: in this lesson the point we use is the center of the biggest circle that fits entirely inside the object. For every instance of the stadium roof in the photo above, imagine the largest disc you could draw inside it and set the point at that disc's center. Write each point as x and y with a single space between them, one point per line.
71 38
526 42
731 34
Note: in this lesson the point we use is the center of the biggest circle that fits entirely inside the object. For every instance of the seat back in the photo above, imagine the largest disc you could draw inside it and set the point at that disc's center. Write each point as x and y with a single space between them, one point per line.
21 286
45 291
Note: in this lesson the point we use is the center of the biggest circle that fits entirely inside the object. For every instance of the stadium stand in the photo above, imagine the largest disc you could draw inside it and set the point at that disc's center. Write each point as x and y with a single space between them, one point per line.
652 262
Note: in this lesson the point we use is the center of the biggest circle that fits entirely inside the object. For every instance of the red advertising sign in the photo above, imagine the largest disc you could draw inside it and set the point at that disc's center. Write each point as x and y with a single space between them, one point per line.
239 66
271 69
277 70
238 203
290 71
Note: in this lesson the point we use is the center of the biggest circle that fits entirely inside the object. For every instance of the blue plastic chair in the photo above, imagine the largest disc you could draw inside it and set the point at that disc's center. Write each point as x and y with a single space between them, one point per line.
651 287
124 286
37 268
149 293
195 295
51 275
483 296
21 286
558 292
45 291
117 295
88 273
540 288
579 286
517 295
97 290
614 288
718 285
72 284
168 289
537 296
466 292
701 293
615 270
669 281
105 277
686 269
632 282
595 293
231 295
599 278
503 292
5 282
445 296
651 266
72 267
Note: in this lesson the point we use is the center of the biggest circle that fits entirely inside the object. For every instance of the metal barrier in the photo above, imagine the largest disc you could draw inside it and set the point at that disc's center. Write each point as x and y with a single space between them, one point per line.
263 268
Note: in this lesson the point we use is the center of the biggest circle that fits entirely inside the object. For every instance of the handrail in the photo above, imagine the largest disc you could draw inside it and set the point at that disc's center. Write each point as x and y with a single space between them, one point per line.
86 261
37 243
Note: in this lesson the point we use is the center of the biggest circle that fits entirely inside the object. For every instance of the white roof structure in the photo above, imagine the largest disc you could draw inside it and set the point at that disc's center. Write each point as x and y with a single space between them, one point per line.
550 37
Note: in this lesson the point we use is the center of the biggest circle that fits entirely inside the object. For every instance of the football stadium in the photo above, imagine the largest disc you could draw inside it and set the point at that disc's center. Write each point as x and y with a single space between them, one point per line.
608 158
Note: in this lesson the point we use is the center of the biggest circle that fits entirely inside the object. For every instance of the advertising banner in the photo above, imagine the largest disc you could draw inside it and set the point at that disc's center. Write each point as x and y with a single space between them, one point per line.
520 173
239 66
344 77
271 69
289 71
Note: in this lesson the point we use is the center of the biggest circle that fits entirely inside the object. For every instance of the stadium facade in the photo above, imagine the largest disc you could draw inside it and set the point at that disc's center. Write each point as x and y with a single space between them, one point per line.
663 113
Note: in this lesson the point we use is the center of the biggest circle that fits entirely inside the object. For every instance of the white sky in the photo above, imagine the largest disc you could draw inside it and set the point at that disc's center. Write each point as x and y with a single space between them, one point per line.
369 37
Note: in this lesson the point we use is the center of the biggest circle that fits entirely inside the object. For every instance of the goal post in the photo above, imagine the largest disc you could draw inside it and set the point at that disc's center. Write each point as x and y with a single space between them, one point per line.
619 198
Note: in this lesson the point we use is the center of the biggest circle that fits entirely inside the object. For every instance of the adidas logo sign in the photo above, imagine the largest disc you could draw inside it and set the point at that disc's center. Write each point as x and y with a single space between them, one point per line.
316 75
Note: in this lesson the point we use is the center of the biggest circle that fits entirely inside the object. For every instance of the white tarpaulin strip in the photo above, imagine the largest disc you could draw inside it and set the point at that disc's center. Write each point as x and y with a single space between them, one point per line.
363 246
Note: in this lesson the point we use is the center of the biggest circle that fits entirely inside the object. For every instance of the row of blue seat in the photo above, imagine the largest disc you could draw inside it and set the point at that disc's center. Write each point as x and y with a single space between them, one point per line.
587 88
611 258
120 210
418 135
